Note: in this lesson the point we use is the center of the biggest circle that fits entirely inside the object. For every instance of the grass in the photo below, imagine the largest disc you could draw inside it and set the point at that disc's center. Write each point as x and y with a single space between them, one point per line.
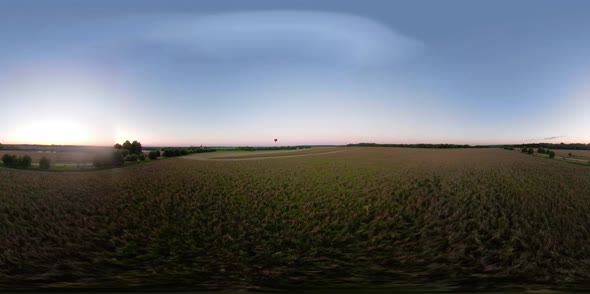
469 219
564 156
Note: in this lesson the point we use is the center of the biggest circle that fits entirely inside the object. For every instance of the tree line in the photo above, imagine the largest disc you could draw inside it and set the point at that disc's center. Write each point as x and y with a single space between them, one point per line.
181 151
133 152
25 161
572 146
128 151
434 146
531 151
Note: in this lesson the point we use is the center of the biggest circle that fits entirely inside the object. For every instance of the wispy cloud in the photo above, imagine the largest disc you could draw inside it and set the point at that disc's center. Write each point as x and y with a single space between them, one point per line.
316 36
546 138
255 36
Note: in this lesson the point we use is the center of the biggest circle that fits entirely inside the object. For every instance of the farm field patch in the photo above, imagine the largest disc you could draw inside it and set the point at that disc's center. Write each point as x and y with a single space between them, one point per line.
390 217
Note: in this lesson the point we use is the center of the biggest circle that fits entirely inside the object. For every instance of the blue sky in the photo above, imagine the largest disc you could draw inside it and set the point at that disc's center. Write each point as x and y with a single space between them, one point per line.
305 72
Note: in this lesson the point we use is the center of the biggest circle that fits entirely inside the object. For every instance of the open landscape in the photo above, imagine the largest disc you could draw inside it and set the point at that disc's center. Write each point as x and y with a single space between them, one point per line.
448 219
225 146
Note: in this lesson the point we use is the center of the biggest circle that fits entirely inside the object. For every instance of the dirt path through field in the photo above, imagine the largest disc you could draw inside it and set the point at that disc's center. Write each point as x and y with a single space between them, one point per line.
259 155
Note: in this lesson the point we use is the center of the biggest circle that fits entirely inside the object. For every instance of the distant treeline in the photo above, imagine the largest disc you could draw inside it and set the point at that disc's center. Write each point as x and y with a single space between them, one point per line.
249 148
572 146
434 146
180 151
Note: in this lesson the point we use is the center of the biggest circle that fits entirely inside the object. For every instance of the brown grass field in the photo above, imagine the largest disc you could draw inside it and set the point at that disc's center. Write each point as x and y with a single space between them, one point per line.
457 219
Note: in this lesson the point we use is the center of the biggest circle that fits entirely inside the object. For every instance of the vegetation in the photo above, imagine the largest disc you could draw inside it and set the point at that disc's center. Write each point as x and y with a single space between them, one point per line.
9 160
131 158
551 154
180 151
154 154
13 161
173 152
457 219
572 146
44 163
109 159
435 146
131 148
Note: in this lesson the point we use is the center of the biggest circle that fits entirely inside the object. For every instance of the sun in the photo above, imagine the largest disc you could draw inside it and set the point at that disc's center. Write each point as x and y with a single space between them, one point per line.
53 132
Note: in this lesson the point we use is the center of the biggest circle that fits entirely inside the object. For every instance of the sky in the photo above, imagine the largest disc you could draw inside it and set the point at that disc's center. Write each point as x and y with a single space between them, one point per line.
226 72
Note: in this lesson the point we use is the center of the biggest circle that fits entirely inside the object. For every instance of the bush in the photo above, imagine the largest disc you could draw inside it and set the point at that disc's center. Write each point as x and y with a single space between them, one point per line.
135 148
570 154
114 158
131 158
9 160
524 150
44 163
551 154
172 152
141 157
14 161
531 151
24 161
541 150
154 154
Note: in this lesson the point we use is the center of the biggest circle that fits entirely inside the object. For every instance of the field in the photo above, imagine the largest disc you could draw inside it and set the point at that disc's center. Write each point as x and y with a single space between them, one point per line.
451 219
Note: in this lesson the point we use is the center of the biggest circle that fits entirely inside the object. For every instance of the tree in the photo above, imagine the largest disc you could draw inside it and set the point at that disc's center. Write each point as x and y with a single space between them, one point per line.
117 159
135 148
44 163
524 150
9 160
112 159
154 154
541 150
127 145
531 151
131 158
25 161
118 146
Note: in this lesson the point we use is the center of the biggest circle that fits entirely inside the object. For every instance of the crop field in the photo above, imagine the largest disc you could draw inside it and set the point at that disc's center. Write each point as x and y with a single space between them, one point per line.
452 219
248 155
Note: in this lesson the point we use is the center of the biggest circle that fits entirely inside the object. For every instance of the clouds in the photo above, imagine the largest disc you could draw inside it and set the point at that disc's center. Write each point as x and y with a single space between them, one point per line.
292 35
546 138
288 36
553 138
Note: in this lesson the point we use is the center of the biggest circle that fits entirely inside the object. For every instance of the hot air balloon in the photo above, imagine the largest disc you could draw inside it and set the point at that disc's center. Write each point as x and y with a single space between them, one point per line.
276 139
